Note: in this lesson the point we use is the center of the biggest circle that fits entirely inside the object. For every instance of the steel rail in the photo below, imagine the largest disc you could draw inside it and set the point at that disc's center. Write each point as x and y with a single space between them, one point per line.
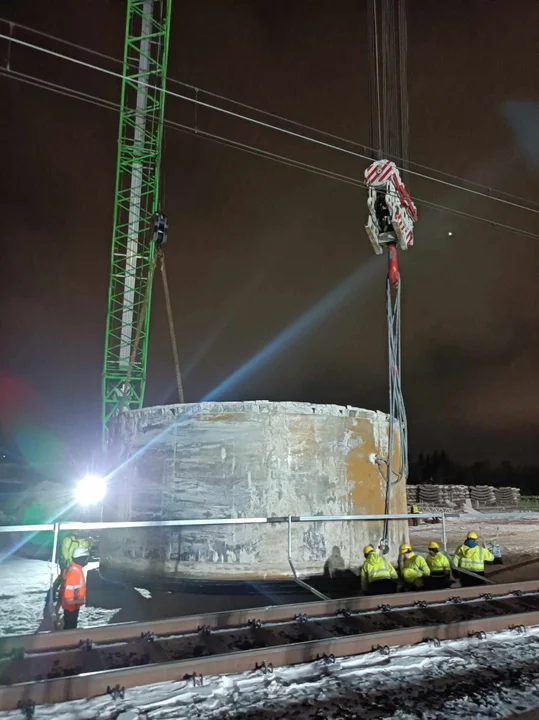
125 632
99 683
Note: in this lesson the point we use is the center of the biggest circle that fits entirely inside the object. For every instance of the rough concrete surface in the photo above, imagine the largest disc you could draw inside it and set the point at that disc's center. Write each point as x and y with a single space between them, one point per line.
252 459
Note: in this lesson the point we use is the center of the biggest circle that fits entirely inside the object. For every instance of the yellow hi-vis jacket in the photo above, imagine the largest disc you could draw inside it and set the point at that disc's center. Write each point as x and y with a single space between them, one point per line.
69 545
375 568
414 568
439 564
472 559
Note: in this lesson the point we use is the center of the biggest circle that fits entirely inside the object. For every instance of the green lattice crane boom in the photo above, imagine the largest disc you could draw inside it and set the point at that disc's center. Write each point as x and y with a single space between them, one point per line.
136 204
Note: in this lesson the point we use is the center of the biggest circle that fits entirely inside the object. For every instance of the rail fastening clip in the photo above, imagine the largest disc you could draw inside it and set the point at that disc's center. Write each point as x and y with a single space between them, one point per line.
116 692
27 708
265 669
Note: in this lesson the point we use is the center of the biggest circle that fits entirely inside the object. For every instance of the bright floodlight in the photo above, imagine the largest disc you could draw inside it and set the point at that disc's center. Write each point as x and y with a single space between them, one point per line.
91 490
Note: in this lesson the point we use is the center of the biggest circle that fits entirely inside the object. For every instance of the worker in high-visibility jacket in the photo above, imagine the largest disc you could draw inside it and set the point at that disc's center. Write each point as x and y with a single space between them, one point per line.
440 569
378 576
69 544
414 510
472 556
413 567
74 588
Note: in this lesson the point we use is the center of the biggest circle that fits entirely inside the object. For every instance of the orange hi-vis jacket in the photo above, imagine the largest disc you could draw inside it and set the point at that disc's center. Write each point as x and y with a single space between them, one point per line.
74 593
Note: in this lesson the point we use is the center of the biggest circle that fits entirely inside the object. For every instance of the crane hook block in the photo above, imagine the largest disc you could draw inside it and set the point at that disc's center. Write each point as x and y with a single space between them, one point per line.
392 213
160 229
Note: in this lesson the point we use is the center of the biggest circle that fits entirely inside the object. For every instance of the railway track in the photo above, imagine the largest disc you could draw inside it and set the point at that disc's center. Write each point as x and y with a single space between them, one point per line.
76 664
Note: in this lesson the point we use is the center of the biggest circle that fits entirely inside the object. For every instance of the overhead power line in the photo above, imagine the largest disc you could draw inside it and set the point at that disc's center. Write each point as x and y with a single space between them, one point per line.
250 149
197 102
487 190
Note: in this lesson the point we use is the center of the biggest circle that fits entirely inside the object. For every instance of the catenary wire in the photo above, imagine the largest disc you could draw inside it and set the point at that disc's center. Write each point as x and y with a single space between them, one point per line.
239 116
275 116
250 149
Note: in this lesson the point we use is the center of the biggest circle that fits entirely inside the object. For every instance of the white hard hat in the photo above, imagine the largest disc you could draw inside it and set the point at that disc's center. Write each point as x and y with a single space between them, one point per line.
80 551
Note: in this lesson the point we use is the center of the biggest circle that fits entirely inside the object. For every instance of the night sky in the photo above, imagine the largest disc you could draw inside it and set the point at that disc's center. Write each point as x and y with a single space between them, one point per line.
253 245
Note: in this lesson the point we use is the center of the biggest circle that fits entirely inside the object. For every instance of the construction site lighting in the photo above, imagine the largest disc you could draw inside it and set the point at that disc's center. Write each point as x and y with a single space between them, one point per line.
91 490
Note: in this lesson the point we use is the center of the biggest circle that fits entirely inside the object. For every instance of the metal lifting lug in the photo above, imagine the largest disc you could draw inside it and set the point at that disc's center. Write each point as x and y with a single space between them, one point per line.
382 649
147 637
486 596
17 653
85 645
480 635
344 612
456 600
517 593
116 692
301 618
160 229
256 624
27 708
436 642
421 603
204 629
385 608
265 669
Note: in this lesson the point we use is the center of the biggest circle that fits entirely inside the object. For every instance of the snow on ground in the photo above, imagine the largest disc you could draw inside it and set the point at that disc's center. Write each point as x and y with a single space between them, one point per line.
23 588
492 678
518 537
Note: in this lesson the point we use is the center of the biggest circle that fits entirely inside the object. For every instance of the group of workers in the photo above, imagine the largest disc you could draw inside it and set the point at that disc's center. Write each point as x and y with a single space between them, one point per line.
69 588
379 577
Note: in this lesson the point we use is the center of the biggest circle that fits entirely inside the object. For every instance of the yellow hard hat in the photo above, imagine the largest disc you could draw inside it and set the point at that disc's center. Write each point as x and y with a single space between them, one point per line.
434 546
404 548
472 535
367 549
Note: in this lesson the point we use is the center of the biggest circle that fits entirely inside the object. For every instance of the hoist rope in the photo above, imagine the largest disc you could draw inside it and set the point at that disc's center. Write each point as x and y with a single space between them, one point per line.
172 332
138 334
159 256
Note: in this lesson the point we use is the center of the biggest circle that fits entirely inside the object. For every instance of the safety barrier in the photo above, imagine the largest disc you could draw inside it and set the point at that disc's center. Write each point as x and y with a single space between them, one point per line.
289 520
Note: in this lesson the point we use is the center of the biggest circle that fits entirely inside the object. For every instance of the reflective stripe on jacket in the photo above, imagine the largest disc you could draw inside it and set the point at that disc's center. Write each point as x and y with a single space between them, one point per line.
414 567
472 558
439 564
74 590
375 568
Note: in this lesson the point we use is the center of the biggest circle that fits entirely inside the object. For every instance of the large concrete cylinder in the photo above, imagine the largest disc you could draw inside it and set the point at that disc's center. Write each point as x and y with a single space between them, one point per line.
245 460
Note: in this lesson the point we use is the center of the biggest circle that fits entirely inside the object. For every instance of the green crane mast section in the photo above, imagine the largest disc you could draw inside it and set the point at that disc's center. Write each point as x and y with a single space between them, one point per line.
135 206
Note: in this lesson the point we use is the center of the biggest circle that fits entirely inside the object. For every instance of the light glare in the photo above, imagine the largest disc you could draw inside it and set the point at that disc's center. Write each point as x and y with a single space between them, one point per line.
90 490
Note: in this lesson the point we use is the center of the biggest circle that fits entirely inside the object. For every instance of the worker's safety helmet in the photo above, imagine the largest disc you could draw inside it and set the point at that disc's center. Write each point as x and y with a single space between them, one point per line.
80 552
367 549
405 548
434 546
472 535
